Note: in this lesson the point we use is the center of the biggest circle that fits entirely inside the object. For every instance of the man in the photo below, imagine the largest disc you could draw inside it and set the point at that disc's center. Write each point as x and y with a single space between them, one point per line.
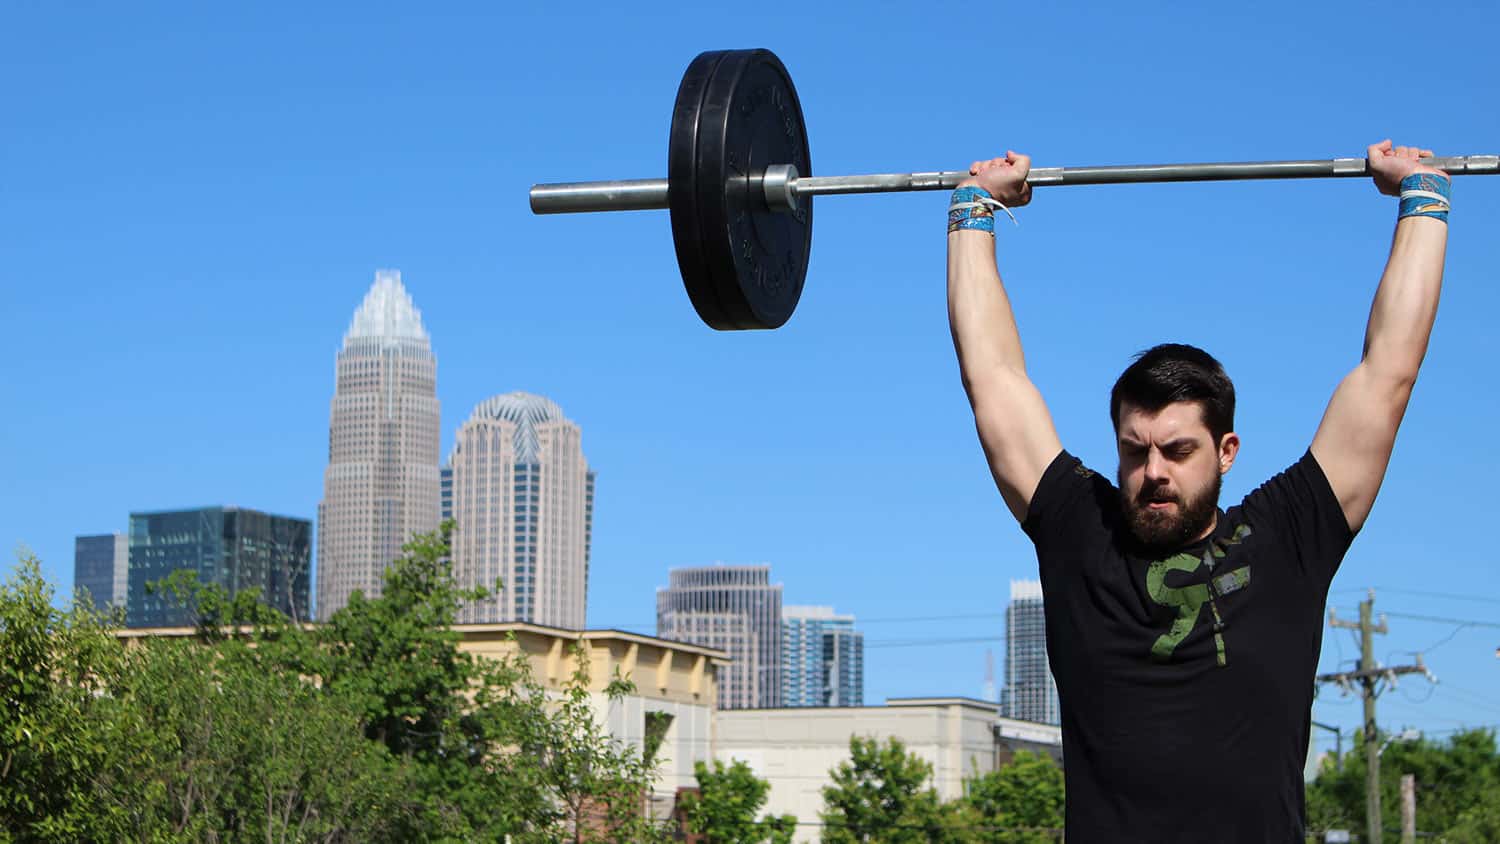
1184 639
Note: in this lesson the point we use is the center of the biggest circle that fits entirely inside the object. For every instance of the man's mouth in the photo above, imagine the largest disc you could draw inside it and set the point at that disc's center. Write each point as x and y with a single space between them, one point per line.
1160 502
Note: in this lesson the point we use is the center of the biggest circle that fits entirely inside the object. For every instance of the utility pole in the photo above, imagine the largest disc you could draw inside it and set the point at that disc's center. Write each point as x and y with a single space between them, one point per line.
1368 677
1408 809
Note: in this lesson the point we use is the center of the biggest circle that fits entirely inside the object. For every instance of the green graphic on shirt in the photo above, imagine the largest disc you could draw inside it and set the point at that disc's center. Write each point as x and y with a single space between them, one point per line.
1189 600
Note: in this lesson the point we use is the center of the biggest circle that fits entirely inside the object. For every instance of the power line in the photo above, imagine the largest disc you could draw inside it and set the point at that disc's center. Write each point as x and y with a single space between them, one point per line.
1444 620
1446 595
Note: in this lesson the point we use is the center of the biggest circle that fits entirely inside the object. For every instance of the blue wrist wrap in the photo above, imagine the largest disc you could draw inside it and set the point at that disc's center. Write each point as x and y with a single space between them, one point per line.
1425 195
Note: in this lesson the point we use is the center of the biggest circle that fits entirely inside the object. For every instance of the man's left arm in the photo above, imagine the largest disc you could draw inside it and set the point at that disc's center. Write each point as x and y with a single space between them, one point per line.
1354 441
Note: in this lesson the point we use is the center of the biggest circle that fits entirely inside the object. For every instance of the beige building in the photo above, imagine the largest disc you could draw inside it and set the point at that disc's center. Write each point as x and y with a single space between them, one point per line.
795 749
675 687
381 484
729 608
523 506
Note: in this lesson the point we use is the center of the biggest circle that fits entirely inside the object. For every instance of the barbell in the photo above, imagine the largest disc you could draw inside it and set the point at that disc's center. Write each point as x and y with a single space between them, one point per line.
739 186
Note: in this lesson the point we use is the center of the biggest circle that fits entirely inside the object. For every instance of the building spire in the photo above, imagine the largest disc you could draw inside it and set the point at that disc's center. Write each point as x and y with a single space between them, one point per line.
387 311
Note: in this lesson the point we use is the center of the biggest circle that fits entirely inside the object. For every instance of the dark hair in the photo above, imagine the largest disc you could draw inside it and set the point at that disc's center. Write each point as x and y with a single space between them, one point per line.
1176 372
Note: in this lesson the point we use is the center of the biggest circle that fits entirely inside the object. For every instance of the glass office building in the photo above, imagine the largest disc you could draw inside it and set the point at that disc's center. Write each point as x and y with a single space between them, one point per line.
100 566
822 658
233 547
1030 693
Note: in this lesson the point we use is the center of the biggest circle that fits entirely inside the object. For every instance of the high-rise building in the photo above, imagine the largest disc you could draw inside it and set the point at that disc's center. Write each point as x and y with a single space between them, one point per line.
381 484
734 609
100 567
445 493
230 546
522 499
822 658
1030 693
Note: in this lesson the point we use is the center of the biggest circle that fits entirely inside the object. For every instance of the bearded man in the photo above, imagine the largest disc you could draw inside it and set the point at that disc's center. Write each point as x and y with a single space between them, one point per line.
1184 638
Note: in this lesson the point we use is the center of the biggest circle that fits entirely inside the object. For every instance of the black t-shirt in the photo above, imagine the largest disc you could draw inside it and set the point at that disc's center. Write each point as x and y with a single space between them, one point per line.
1186 683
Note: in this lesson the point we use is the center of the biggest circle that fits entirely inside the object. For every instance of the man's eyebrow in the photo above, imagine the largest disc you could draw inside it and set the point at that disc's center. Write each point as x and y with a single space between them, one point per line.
1178 442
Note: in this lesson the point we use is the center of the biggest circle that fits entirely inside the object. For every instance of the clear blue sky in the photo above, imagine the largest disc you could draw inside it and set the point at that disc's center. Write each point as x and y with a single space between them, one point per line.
193 203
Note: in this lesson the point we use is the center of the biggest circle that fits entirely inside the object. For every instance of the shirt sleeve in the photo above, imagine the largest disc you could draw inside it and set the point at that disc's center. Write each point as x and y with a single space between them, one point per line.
1302 508
1069 510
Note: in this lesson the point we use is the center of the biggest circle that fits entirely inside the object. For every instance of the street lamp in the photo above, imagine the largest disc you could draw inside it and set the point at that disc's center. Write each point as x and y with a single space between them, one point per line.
1404 735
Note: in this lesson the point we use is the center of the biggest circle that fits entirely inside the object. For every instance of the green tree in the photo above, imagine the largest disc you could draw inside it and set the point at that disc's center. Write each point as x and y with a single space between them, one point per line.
56 717
1458 787
728 800
374 727
1020 803
882 795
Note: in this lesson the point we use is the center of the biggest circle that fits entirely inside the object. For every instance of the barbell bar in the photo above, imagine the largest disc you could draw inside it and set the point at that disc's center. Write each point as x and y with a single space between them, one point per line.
740 186
781 186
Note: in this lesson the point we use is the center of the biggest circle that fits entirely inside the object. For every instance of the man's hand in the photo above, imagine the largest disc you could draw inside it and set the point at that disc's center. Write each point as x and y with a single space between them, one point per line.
1390 165
1004 178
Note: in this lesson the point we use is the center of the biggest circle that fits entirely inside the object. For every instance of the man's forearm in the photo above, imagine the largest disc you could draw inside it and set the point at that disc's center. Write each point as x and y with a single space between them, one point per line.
979 313
1406 301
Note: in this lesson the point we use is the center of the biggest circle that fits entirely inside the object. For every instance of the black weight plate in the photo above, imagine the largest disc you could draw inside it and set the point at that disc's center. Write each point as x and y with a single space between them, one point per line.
750 259
682 194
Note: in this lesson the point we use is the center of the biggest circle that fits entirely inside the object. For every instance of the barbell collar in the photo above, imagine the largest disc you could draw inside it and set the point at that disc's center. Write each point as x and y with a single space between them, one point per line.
781 185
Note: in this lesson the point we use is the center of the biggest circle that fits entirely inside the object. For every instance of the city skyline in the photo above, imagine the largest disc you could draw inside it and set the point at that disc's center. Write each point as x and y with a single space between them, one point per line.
190 225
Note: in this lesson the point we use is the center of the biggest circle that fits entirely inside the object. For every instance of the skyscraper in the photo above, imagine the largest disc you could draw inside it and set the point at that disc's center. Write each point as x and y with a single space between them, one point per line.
100 567
230 546
732 608
822 658
522 498
1030 694
381 484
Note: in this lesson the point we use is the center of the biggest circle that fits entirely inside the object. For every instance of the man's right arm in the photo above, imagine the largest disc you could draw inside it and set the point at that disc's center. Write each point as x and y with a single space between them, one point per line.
1014 425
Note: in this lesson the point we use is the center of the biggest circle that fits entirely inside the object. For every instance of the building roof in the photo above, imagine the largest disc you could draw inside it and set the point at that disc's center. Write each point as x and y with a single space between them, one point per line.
387 312
526 411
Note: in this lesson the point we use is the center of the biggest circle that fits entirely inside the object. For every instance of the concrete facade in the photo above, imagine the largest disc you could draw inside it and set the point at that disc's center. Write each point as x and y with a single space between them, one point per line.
795 749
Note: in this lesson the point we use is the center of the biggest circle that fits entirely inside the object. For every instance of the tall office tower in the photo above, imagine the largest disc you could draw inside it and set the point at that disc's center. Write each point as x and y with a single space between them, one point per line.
1030 694
100 566
230 546
523 504
445 493
822 658
381 484
736 609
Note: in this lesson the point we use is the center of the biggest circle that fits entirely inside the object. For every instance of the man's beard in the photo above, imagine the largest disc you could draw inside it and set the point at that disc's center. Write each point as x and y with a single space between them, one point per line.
1162 530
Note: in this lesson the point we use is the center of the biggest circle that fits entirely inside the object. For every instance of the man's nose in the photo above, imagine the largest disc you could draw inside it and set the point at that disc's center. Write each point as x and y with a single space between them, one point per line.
1156 465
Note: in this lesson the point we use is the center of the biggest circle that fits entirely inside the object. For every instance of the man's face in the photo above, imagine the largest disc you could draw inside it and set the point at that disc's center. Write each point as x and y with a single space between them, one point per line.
1170 473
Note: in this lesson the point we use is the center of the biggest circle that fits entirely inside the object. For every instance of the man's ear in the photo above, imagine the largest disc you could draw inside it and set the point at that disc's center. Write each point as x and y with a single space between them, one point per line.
1229 448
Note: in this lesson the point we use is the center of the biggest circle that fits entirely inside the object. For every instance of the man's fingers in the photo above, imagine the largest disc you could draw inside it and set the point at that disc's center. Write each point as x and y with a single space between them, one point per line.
1378 150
